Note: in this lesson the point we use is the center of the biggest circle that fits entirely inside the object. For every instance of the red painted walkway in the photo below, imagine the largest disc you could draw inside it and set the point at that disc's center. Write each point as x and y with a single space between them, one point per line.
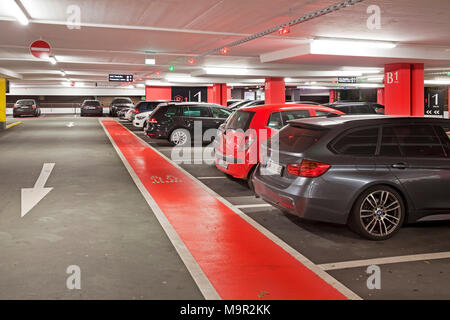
239 261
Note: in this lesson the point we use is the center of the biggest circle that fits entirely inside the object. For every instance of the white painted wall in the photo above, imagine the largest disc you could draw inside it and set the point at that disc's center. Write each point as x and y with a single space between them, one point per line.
9 111
73 91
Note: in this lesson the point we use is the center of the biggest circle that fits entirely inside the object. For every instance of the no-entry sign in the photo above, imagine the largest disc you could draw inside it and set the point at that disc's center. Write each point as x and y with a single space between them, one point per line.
40 49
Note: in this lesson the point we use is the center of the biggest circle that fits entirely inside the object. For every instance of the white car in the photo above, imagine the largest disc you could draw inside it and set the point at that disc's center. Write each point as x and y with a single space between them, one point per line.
141 118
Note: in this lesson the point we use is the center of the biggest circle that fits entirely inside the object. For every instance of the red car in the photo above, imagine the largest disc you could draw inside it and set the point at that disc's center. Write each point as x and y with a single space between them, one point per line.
239 139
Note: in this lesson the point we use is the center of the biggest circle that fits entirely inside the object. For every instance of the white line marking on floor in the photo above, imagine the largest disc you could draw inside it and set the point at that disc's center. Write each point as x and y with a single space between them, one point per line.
387 260
297 255
244 206
203 283
30 197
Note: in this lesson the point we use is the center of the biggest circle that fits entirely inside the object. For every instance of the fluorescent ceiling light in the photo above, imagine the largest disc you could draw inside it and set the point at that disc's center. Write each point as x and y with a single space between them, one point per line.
226 71
19 14
438 81
337 44
150 61
182 79
52 60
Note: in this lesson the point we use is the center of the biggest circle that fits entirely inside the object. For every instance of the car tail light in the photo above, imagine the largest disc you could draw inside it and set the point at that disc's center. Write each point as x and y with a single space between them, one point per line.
152 120
308 168
136 110
15 106
33 106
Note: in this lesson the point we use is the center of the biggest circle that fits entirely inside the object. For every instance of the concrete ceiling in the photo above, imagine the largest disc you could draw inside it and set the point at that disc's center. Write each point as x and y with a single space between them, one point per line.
116 36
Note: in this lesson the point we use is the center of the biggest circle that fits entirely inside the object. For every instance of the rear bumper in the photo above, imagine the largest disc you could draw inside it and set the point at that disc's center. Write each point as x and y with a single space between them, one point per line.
138 123
301 198
31 112
237 168
91 112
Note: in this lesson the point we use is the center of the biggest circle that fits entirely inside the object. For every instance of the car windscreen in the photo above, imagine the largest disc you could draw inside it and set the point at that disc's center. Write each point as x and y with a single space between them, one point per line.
240 120
296 139
122 101
25 102
92 103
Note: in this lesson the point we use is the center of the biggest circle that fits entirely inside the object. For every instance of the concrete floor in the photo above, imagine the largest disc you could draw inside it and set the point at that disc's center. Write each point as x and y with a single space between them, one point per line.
96 218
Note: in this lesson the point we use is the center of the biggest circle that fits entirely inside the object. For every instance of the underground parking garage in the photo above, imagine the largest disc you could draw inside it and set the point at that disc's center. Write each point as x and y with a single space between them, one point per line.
223 154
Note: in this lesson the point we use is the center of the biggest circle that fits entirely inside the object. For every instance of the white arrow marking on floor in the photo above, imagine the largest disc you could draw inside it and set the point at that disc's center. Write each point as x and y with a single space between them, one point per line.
70 124
32 196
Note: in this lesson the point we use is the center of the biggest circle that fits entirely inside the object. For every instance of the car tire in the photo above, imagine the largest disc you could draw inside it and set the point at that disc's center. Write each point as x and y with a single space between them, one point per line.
180 137
144 126
250 178
378 213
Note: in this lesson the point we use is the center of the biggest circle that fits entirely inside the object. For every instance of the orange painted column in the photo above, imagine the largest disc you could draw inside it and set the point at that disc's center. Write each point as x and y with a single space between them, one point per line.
158 93
380 96
404 89
218 94
275 90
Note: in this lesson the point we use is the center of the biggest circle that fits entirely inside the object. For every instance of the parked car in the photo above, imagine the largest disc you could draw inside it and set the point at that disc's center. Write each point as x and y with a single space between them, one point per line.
129 115
91 107
175 121
118 104
26 107
305 102
145 106
233 101
373 173
237 104
239 139
140 120
248 104
348 107
121 113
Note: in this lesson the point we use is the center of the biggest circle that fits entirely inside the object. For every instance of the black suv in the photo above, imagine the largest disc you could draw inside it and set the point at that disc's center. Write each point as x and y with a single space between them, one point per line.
26 107
175 121
91 107
349 107
118 104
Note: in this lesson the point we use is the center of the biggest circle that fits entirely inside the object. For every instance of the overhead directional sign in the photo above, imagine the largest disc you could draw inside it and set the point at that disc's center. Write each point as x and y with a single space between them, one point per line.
40 49
435 101
32 196
121 78
347 80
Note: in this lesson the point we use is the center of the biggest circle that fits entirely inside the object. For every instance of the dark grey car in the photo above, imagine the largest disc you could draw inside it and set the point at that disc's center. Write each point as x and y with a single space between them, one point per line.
371 172
26 107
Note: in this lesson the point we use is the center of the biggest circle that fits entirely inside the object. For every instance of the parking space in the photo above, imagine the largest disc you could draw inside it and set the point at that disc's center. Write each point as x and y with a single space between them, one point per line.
423 245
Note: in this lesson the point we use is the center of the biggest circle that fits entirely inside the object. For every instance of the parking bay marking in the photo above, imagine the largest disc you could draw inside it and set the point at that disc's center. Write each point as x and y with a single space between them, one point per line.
386 260
227 278
32 196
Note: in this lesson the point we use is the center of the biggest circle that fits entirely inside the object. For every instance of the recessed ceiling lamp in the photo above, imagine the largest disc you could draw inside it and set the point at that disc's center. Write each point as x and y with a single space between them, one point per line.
226 71
336 43
191 61
19 14
283 31
52 60
150 61
224 50
171 68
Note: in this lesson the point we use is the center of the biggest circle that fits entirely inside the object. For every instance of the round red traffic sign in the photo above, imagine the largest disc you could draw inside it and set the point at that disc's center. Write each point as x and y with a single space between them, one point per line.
40 49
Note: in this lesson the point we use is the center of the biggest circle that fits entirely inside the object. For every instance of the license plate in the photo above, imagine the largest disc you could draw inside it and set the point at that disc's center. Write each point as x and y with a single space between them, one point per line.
222 163
273 167
92 108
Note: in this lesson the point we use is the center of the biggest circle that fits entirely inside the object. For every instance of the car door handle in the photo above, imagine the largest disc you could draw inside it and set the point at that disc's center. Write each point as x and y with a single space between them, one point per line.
400 165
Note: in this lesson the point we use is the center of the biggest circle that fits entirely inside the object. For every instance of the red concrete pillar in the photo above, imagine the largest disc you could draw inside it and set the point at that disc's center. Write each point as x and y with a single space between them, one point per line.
158 93
417 90
275 91
380 96
333 95
228 93
218 93
404 89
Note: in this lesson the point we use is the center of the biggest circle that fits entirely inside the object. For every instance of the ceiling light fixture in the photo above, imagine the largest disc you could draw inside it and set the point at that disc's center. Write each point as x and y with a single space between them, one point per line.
438 82
171 68
226 71
52 60
20 14
63 73
285 30
191 61
338 44
225 50
150 61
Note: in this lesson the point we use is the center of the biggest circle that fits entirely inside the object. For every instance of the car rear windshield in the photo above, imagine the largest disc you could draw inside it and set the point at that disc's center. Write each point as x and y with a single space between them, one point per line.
240 120
297 139
25 102
92 103
122 101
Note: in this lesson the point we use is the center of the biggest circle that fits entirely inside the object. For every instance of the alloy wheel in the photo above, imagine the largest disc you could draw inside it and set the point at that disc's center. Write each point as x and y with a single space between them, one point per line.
380 213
